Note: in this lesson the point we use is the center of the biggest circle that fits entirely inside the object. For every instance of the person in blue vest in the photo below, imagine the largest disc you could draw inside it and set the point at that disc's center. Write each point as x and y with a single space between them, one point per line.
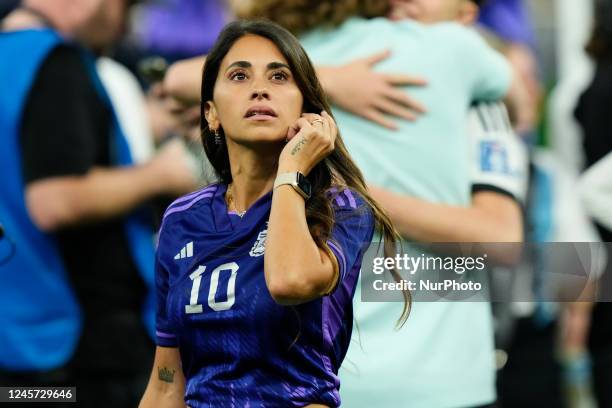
74 299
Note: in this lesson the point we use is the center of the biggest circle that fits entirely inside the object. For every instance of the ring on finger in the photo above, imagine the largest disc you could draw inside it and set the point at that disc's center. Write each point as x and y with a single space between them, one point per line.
316 121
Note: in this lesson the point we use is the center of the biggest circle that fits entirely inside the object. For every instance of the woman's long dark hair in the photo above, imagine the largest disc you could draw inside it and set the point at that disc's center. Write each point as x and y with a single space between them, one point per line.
337 169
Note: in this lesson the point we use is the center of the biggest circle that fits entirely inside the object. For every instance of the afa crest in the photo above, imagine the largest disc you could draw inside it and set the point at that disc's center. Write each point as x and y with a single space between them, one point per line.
259 248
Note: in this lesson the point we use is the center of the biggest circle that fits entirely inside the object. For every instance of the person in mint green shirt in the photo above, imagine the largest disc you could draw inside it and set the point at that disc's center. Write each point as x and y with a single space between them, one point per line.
443 356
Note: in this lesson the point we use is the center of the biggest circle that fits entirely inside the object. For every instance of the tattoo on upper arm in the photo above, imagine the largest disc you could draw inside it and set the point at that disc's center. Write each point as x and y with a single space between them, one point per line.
165 374
298 146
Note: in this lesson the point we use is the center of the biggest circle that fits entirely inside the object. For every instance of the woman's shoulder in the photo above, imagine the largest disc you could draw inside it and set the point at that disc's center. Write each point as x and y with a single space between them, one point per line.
189 201
351 210
346 198
185 213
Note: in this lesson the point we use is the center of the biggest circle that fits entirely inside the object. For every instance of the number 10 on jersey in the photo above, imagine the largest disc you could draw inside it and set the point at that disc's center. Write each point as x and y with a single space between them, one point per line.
196 277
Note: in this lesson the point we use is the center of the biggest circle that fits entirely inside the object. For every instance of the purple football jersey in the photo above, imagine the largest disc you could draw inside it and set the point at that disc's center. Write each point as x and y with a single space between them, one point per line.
238 347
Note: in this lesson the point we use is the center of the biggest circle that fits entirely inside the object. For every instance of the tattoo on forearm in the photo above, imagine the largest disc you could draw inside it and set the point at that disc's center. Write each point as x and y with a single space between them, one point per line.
165 374
298 146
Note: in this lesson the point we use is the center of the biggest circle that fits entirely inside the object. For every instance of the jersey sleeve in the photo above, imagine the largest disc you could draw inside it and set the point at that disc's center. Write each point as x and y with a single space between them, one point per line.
353 230
499 160
165 335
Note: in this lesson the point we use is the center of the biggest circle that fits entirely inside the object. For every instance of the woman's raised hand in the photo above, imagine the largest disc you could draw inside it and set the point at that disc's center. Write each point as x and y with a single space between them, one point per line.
310 139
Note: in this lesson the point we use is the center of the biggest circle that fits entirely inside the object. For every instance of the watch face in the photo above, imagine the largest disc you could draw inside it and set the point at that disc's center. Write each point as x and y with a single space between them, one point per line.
304 184
307 188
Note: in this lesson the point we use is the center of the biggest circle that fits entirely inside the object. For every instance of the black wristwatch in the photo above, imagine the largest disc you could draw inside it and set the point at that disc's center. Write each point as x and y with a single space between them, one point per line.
297 180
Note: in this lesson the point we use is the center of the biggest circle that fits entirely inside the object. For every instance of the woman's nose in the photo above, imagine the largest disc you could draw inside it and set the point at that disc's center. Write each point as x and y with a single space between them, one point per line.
260 93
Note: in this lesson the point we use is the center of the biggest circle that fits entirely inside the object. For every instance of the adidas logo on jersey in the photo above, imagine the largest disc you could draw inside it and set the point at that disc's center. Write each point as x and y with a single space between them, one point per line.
259 248
185 252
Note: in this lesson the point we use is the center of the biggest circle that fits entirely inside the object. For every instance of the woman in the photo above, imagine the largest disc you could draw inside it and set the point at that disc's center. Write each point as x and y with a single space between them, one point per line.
276 323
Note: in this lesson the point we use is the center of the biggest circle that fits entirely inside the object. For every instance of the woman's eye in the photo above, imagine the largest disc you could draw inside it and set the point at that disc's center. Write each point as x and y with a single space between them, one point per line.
279 76
238 76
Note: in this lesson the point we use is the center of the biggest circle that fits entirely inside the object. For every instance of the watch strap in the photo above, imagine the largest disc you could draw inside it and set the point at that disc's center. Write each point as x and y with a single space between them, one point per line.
292 180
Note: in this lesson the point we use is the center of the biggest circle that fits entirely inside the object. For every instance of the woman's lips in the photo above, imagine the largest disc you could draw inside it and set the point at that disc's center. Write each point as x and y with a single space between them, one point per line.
260 117
260 113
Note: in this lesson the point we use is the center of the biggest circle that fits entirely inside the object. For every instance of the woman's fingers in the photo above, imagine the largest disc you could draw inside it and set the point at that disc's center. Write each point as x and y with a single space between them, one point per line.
304 124
323 123
327 137
330 126
297 128
312 117
313 138
315 130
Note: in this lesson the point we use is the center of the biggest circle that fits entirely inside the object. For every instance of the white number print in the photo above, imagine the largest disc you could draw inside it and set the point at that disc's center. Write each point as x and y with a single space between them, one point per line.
196 277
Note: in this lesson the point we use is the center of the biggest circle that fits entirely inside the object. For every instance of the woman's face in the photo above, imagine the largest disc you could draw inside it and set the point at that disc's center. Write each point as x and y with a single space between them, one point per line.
255 98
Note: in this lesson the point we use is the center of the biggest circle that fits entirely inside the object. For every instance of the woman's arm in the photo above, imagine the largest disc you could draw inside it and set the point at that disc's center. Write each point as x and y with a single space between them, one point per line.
296 269
596 191
166 388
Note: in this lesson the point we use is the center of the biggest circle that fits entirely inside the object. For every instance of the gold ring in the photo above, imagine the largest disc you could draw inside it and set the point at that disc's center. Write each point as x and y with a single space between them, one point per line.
316 121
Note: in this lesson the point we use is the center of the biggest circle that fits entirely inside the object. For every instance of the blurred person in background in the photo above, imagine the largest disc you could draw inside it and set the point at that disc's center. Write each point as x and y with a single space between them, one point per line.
172 121
509 21
153 31
574 71
546 352
550 338
592 107
507 27
149 124
75 304
156 26
150 42
594 113
129 103
549 319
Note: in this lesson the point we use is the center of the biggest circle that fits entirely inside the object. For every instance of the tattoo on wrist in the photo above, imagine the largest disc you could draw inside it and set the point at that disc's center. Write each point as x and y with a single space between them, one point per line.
165 374
298 146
